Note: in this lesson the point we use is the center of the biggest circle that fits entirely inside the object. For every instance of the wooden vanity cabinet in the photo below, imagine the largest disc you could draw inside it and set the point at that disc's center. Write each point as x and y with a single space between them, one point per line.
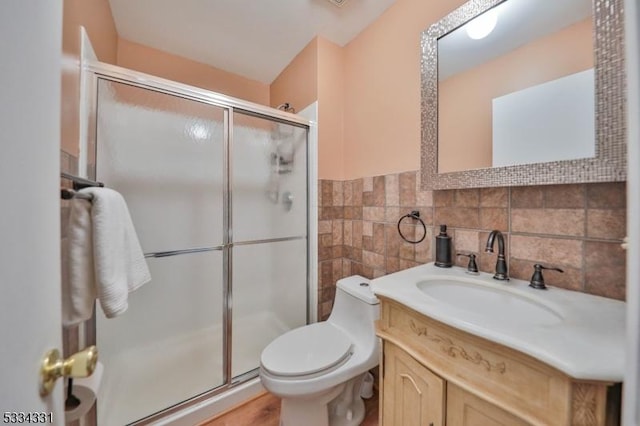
413 396
466 409
436 375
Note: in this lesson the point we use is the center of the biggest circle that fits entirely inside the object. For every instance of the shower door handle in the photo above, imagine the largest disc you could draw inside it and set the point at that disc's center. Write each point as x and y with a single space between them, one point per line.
80 364
287 200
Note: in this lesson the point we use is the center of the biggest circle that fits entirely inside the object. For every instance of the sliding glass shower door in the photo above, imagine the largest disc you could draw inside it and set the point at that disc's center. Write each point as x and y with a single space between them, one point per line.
269 223
218 194
165 155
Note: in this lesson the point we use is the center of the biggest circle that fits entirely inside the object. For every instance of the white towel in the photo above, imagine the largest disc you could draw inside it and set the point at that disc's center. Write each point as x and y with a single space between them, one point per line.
105 258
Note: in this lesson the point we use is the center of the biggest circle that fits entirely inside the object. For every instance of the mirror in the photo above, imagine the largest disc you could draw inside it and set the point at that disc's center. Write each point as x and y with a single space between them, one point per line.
524 97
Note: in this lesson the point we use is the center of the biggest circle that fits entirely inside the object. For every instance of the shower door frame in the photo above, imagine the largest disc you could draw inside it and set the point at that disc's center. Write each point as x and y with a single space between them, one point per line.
96 71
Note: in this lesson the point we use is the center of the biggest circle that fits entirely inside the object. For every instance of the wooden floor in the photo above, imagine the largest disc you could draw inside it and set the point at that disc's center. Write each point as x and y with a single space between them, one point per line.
264 410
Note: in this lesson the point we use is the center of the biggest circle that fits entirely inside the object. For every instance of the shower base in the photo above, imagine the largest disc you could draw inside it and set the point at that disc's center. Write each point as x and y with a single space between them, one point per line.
143 380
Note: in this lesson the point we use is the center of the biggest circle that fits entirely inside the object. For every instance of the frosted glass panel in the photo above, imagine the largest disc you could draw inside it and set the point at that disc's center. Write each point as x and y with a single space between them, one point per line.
269 297
167 347
165 155
269 179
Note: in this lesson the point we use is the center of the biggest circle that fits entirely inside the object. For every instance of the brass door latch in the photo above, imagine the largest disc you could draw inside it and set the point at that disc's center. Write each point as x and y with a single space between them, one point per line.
80 364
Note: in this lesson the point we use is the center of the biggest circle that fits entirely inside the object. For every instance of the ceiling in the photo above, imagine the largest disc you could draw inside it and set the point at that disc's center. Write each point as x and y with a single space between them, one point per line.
253 38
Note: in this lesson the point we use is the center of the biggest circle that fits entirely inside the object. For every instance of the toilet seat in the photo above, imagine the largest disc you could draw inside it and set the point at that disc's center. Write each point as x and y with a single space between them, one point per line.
306 350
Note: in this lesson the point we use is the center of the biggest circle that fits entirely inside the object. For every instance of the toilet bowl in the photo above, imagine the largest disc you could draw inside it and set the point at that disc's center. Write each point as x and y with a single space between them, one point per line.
317 370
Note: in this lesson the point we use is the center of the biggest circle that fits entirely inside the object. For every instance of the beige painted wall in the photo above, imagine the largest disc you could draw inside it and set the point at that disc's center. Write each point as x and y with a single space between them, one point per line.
465 119
382 89
162 64
316 73
298 82
95 16
330 110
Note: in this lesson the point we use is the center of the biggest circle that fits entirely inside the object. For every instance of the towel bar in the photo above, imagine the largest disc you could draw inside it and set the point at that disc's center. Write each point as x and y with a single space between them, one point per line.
78 184
68 194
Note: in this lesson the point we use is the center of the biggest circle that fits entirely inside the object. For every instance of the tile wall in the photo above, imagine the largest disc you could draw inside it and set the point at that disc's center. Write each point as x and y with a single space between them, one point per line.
578 228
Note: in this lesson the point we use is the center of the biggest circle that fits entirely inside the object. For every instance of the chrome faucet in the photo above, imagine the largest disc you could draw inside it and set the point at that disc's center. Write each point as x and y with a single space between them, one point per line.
501 264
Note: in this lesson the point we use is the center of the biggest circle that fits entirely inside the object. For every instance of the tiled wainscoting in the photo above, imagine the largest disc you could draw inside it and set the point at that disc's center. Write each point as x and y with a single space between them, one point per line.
578 228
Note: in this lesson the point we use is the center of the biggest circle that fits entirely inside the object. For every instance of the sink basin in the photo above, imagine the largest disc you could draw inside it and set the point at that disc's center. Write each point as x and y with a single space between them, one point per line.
568 330
482 299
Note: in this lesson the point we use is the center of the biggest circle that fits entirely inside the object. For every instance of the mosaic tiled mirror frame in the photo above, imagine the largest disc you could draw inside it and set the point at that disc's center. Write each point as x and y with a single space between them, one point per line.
610 163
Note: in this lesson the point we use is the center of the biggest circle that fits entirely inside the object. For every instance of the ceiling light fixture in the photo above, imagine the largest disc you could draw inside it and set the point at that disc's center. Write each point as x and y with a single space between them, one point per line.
482 26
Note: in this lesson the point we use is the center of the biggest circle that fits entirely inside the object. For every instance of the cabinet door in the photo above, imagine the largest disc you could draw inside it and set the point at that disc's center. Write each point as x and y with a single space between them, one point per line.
412 394
466 409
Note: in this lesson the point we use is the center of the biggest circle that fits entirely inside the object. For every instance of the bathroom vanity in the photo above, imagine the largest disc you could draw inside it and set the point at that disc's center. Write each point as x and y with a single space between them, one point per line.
468 350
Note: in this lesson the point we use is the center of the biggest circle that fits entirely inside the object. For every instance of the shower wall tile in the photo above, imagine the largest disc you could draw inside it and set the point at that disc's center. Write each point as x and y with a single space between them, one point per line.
527 197
408 189
494 218
494 197
379 191
605 264
609 195
347 190
324 227
564 196
378 238
458 217
576 227
331 237
373 213
338 194
392 190
348 233
607 223
326 189
358 232
467 241
467 198
367 184
548 221
337 232
443 198
551 251
357 187
390 213
423 198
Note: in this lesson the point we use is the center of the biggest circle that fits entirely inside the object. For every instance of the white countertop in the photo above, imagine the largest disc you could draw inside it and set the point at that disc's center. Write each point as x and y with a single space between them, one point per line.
586 342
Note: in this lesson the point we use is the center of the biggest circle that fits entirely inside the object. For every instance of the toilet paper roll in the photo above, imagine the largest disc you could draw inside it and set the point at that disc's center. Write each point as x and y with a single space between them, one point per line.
86 390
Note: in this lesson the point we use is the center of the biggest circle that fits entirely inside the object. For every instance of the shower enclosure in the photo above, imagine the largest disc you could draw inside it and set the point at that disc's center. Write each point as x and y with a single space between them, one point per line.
218 192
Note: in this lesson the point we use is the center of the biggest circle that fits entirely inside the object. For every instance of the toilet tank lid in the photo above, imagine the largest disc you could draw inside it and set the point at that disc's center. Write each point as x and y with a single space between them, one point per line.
360 287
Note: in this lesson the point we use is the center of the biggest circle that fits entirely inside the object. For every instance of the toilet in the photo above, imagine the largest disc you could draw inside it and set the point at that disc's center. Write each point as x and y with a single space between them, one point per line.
317 370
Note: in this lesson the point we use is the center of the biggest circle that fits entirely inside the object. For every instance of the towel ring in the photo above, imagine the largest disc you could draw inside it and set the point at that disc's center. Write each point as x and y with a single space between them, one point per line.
415 214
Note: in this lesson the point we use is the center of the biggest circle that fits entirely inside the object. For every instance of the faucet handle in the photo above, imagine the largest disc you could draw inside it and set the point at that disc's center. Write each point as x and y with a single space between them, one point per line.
472 267
537 280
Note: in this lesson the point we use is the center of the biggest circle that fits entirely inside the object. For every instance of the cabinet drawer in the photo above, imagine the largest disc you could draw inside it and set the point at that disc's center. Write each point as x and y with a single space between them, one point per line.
530 389
466 409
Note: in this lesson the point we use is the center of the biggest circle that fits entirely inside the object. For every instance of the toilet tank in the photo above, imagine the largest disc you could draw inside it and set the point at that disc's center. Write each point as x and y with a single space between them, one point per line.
355 307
